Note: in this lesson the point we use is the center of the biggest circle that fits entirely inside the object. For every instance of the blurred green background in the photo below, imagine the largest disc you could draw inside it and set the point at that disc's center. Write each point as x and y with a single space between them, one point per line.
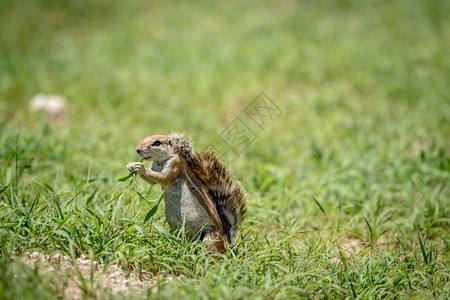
363 87
348 76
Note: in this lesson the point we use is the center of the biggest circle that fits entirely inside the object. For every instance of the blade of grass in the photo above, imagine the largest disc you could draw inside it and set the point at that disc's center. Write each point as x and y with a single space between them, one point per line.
153 210
320 206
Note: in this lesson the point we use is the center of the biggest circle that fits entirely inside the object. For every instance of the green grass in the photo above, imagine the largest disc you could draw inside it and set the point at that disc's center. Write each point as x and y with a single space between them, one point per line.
360 153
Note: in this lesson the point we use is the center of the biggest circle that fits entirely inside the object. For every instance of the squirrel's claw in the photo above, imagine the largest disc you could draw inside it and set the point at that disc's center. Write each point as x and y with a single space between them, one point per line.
137 167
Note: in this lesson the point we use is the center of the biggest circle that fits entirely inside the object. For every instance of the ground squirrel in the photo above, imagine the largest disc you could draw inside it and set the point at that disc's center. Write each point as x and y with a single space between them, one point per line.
199 191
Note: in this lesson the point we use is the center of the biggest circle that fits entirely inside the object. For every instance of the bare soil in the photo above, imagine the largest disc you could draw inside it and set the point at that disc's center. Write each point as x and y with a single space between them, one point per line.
84 276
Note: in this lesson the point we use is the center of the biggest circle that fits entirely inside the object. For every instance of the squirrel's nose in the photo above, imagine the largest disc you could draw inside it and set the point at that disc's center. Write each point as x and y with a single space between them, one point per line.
138 150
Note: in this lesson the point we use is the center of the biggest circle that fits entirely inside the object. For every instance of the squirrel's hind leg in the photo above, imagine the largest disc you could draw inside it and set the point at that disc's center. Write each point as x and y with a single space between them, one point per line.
215 242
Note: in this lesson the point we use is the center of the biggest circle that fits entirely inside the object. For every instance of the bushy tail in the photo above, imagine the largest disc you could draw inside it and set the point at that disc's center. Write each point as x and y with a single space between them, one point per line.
228 195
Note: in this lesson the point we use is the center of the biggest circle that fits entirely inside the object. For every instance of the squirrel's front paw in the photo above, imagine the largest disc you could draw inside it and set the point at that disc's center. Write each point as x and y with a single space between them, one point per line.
137 167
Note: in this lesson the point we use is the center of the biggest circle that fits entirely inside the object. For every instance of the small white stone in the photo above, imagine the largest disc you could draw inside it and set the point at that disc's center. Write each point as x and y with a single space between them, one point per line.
114 268
84 261
116 274
53 105
35 255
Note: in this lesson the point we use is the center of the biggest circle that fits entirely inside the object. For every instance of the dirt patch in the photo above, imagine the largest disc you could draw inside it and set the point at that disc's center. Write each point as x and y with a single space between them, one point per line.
84 276
352 246
421 144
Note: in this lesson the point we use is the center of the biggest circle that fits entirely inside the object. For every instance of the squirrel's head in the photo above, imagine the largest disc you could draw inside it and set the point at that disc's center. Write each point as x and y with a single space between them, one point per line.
156 148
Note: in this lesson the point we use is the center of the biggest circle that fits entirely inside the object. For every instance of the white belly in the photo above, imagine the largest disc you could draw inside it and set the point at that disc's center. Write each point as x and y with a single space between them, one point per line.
181 206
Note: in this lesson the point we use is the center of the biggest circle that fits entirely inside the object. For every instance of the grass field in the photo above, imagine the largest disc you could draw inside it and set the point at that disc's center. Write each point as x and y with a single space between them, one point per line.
348 182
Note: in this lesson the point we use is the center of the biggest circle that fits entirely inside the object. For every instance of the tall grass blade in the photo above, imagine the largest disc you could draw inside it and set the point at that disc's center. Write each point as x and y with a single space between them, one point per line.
320 206
153 210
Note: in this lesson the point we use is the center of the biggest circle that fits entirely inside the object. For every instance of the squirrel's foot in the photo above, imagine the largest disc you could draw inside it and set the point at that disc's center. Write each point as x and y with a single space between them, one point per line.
215 242
136 167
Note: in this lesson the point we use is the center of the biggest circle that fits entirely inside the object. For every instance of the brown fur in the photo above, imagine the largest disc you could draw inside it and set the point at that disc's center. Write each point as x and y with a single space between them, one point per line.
207 178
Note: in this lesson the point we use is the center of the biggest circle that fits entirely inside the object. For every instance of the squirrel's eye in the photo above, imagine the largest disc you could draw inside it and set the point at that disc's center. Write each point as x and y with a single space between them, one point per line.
156 143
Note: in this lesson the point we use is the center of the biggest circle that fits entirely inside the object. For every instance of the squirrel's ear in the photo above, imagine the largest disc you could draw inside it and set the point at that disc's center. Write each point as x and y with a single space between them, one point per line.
170 143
